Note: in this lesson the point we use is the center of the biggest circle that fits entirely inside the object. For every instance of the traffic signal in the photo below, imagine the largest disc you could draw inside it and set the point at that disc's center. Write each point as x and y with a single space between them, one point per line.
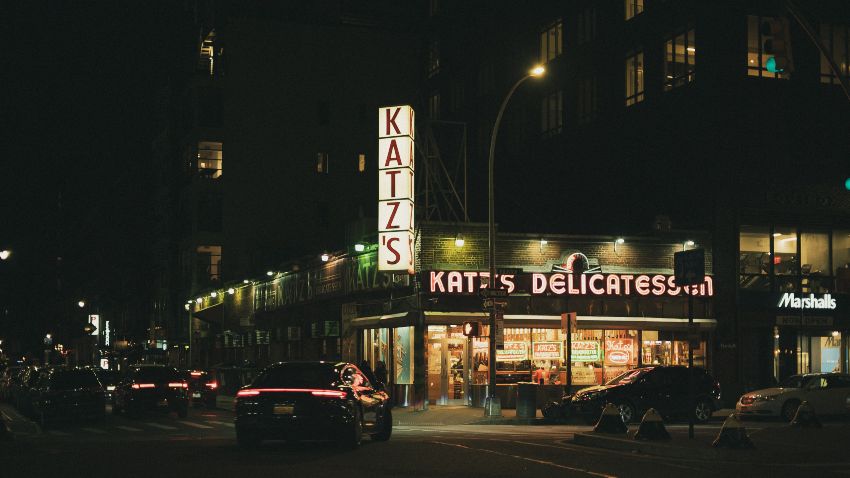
472 329
776 45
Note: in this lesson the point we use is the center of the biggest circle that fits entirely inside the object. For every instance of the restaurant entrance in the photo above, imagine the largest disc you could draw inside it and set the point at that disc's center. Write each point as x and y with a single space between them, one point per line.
447 365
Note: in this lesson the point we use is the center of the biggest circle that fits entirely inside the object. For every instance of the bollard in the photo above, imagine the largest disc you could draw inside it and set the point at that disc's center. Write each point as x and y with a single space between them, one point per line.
733 435
610 421
652 427
805 417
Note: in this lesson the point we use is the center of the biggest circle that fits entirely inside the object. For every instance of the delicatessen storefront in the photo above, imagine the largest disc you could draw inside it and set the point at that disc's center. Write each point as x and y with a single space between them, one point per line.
624 321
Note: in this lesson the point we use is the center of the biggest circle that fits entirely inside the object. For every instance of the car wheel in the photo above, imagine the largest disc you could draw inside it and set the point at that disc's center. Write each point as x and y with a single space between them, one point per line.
246 439
386 427
627 411
789 409
354 435
703 411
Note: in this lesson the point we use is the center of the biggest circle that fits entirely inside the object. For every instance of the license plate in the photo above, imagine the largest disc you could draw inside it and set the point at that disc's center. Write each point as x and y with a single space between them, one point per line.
162 402
283 409
196 394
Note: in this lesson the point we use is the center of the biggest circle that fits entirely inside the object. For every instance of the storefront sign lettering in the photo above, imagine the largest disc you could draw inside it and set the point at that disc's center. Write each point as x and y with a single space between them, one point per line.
395 188
513 352
618 351
585 351
471 282
547 351
790 301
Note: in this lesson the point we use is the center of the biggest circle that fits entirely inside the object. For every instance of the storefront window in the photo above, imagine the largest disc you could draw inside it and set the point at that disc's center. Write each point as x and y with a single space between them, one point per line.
403 355
376 346
814 255
668 348
785 261
620 353
754 259
586 355
841 260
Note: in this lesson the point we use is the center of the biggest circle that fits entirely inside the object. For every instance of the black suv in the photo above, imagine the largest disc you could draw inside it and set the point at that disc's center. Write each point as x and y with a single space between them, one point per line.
664 388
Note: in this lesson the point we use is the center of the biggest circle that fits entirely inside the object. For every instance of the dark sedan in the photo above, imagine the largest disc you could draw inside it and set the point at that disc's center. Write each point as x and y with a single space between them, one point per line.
151 387
203 388
312 401
664 388
66 393
109 379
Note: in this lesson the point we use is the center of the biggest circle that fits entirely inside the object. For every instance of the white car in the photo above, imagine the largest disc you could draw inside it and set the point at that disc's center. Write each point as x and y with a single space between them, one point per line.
827 393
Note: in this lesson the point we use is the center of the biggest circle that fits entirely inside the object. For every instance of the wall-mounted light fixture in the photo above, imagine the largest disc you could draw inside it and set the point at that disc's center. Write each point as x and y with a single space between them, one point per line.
81 304
269 273
231 291
617 242
325 257
246 281
459 242
199 300
359 247
213 294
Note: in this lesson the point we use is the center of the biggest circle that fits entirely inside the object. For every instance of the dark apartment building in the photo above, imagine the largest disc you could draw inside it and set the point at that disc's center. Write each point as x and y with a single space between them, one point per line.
268 147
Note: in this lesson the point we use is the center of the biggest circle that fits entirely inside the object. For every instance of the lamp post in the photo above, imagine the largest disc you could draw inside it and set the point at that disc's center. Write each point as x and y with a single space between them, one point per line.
492 405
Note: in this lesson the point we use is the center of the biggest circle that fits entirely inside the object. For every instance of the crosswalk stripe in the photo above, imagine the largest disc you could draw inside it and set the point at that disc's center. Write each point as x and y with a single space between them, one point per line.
162 427
94 430
129 429
230 425
58 433
196 425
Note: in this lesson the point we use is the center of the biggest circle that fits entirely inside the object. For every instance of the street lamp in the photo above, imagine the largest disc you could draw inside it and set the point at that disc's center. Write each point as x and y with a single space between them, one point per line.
492 405
81 304
4 254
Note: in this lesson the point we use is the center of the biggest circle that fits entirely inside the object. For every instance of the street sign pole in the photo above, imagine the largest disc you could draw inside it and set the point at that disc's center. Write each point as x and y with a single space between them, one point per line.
691 364
689 267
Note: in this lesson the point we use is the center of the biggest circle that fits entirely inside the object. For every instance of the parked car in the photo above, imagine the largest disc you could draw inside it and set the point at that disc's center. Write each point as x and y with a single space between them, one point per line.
203 388
312 400
664 388
827 393
22 391
151 387
67 393
6 381
108 379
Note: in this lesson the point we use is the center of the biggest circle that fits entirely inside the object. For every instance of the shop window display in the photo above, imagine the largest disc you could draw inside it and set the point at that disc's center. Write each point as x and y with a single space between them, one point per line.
754 259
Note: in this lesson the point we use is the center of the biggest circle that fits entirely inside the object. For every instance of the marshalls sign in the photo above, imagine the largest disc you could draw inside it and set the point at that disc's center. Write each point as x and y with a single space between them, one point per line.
395 188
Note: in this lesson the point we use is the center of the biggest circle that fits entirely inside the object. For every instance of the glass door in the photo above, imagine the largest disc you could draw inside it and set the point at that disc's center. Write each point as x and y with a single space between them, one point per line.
447 357
455 352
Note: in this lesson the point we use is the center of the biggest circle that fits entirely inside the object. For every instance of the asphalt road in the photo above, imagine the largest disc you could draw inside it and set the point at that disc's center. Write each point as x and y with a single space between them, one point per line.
203 445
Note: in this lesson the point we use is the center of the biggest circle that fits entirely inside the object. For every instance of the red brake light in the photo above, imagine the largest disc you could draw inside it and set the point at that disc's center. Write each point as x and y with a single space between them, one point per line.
178 385
329 393
212 385
137 386
247 393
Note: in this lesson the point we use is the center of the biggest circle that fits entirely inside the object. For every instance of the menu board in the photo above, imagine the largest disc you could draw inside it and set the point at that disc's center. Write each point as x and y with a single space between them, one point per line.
585 351
513 352
619 351
547 351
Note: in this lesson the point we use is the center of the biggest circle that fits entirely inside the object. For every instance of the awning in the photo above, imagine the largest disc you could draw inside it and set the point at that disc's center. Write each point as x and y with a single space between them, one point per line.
380 321
214 313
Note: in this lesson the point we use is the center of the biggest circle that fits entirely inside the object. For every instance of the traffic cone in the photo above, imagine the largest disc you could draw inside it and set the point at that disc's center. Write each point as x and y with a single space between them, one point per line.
805 417
610 421
733 435
652 427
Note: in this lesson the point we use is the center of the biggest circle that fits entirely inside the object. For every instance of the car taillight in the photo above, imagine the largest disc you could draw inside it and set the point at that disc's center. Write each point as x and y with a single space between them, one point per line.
137 386
247 393
178 385
329 393
212 385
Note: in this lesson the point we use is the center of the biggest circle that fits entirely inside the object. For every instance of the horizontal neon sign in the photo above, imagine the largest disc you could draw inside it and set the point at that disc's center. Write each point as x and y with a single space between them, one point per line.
471 282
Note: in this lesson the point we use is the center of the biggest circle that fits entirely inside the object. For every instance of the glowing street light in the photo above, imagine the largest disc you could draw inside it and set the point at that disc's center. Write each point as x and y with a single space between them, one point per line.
4 254
81 304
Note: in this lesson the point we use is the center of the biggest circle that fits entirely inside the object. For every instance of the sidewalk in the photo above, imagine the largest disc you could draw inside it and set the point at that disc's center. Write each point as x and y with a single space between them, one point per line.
775 445
438 415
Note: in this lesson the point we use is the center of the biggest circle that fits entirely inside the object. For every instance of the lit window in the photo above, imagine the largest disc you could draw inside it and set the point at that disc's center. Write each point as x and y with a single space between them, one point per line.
552 113
209 159
586 99
760 43
552 41
361 162
433 58
208 263
434 105
322 163
634 79
835 38
586 25
206 61
633 8
679 60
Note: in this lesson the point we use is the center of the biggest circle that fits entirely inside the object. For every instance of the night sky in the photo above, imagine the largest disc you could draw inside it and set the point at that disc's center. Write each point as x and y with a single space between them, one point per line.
79 83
